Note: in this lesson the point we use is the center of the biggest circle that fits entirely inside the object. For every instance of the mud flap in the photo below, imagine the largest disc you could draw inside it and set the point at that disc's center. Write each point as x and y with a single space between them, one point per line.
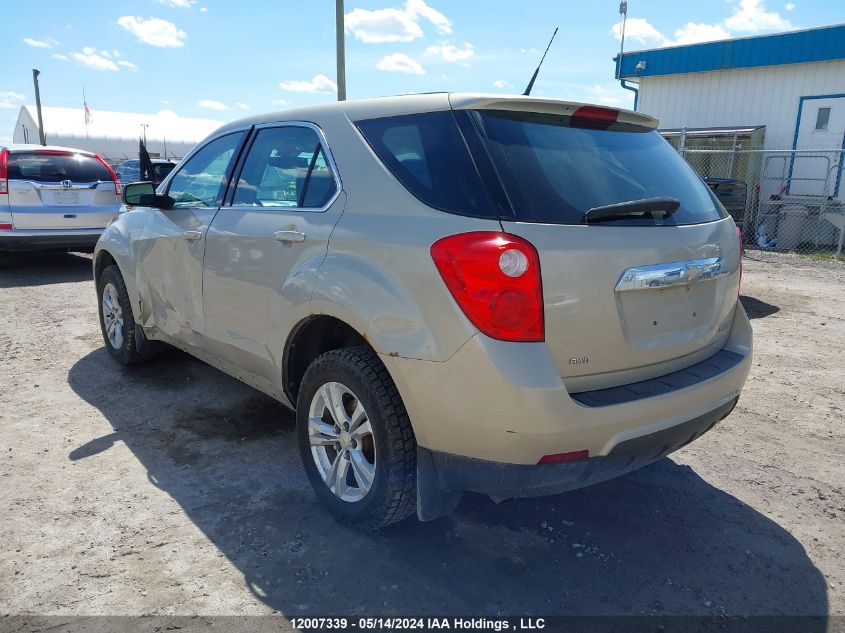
145 345
432 501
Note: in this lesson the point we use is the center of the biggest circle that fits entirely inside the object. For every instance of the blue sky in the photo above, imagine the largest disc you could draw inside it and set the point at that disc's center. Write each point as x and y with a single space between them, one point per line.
222 60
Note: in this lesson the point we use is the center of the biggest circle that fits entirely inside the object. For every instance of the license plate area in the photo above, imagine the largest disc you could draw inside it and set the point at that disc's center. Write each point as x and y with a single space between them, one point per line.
657 318
66 198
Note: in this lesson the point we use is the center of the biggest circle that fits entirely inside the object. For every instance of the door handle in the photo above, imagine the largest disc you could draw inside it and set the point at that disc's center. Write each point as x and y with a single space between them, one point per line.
192 235
289 236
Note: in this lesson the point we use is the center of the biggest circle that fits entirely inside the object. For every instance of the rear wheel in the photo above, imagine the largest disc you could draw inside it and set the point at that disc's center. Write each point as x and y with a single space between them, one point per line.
356 440
116 320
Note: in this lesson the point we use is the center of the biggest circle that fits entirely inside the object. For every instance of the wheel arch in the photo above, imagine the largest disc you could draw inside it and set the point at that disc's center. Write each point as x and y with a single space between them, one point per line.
102 260
314 335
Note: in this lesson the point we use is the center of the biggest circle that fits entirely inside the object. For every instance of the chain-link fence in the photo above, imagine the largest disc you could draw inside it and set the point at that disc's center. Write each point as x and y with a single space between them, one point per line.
782 199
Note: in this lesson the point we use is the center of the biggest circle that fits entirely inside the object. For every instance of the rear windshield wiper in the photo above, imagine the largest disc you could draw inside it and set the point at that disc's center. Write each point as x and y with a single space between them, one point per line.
663 206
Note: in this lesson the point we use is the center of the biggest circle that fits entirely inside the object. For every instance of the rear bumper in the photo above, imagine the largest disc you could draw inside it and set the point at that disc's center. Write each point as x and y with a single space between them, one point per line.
48 239
506 402
444 472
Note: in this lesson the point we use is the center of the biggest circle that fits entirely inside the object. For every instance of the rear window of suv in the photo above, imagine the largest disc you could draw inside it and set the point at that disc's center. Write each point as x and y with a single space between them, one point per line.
555 171
55 167
535 167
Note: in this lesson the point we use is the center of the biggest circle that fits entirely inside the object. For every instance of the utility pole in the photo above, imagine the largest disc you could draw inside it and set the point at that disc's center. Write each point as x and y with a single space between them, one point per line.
144 127
623 12
341 51
42 137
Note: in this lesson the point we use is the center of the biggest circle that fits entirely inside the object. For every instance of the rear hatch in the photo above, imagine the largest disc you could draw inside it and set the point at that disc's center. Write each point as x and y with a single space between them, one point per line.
636 293
57 189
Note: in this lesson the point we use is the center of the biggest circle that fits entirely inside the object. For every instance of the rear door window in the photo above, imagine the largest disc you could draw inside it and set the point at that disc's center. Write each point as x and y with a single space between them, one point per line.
554 171
56 167
427 154
286 167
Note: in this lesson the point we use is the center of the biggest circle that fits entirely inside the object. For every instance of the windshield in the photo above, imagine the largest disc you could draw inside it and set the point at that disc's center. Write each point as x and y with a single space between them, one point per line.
554 173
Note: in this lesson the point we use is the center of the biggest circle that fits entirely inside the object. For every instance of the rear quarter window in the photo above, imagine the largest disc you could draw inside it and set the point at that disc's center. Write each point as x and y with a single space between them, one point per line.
44 167
427 154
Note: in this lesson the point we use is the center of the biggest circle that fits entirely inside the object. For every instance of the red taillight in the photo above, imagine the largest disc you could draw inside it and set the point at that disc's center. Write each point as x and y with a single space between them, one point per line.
6 227
741 253
495 279
113 175
564 457
4 171
594 117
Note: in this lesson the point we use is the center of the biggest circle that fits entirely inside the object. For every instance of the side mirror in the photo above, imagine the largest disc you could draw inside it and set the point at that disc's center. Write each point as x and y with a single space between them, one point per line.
143 194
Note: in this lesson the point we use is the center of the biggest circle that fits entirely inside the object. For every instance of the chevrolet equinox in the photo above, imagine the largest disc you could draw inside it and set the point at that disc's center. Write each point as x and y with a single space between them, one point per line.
455 292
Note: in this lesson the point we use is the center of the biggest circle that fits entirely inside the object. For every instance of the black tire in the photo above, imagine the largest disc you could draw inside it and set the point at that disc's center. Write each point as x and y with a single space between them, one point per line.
392 495
127 353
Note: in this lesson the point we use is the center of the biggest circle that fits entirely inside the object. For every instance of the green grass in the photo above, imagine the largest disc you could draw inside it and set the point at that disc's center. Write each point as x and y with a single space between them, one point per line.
820 255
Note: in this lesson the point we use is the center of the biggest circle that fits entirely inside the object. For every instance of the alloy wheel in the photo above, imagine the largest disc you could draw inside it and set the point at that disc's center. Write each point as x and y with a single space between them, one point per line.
112 316
342 442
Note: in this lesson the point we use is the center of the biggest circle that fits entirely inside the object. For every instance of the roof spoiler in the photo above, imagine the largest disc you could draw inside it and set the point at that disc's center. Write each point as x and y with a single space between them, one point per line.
548 106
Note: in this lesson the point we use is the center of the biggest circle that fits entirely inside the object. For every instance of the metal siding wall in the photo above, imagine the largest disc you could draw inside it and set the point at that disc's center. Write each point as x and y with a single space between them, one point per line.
755 96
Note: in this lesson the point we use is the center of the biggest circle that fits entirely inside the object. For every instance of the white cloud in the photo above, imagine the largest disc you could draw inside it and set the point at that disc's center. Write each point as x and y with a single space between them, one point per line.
280 102
165 101
694 32
751 17
395 25
241 106
320 83
640 30
418 8
154 31
179 4
91 59
9 99
747 16
212 104
203 9
789 6
451 53
597 93
400 63
47 42
97 60
501 84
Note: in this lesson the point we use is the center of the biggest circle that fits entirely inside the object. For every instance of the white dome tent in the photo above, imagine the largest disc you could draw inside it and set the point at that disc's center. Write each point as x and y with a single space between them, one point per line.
114 135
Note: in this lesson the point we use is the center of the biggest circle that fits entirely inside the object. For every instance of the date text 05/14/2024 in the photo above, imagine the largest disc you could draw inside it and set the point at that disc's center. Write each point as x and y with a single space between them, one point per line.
418 624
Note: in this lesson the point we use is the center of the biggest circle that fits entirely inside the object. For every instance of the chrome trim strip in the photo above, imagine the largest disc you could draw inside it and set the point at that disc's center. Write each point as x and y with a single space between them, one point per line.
672 274
61 187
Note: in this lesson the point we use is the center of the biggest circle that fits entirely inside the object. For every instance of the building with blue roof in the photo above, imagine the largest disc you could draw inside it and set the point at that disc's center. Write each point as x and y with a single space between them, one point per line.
788 86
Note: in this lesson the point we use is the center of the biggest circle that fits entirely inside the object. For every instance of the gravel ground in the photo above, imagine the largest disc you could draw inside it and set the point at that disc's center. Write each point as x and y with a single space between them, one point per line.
171 489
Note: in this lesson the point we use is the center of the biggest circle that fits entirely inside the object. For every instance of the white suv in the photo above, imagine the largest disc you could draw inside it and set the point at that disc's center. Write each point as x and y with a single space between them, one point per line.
54 198
510 296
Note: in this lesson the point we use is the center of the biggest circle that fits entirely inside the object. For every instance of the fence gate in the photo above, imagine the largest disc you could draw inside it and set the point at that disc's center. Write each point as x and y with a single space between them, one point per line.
782 199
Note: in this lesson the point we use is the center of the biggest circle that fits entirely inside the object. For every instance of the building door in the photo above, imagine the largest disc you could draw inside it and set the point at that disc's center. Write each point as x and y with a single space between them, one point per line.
821 126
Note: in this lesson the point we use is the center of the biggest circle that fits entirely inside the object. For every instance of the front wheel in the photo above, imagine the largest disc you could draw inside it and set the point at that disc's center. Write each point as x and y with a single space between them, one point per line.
356 440
116 320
